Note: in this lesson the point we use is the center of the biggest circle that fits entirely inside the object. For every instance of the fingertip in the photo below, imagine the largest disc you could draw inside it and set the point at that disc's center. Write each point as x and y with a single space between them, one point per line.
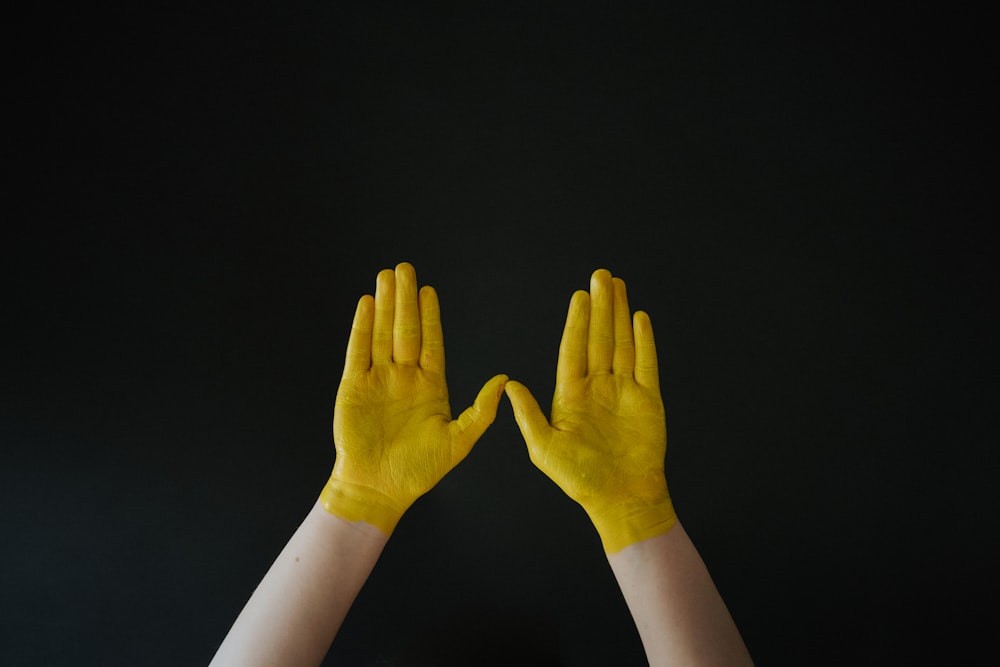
488 399
515 392
600 275
428 302
406 273
386 278
600 282
580 300
405 270
618 285
364 312
619 296
641 322
521 398
509 387
500 384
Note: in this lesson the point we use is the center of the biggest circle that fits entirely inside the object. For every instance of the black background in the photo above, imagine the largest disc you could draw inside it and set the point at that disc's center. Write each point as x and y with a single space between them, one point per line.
195 201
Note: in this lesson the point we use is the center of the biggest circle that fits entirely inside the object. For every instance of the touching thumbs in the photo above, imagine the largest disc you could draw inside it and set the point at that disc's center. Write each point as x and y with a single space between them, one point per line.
533 424
475 419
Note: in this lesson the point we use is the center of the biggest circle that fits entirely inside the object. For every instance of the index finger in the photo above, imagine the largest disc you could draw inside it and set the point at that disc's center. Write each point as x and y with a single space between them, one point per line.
647 370
431 333
359 345
572 363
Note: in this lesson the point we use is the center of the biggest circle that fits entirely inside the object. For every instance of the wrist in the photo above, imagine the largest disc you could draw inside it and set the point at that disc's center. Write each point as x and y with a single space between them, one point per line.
357 502
624 522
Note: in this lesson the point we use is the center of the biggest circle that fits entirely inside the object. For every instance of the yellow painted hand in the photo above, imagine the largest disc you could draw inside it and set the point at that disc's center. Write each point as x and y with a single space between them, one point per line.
607 440
392 424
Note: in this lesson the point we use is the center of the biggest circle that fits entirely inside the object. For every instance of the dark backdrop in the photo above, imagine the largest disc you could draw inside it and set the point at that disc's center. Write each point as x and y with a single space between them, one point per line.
196 200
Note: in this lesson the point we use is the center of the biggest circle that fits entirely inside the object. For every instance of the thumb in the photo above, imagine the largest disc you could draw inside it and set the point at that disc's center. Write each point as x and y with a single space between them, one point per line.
475 419
533 424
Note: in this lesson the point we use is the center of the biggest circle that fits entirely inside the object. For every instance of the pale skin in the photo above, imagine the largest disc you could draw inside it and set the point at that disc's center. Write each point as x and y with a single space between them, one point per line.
297 609
605 446
681 618
395 440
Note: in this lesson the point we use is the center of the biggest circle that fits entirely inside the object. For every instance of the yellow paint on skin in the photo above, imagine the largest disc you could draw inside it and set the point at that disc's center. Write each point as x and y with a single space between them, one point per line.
606 439
623 524
358 503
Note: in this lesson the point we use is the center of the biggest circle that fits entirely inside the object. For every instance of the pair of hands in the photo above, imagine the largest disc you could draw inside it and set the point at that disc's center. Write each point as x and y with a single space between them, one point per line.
604 446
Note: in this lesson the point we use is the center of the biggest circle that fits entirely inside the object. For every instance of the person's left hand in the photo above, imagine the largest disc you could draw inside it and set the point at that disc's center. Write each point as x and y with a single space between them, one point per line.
606 443
392 424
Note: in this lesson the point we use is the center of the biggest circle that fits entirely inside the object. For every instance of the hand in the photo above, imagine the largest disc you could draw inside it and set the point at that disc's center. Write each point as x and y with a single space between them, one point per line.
607 439
392 424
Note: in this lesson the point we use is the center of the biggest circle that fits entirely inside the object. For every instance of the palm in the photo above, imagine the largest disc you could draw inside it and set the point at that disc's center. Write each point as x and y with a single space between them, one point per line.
388 420
610 427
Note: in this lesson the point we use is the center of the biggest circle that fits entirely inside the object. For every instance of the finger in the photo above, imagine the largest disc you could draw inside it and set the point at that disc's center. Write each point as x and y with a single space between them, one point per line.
624 359
474 421
601 335
431 335
647 371
534 426
385 297
572 363
359 345
406 319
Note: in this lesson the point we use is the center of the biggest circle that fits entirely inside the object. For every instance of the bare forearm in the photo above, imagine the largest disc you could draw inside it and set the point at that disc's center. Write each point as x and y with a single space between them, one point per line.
293 616
678 611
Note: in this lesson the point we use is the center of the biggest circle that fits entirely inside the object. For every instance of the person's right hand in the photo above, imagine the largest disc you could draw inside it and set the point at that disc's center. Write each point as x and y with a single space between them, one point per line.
607 439
392 423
